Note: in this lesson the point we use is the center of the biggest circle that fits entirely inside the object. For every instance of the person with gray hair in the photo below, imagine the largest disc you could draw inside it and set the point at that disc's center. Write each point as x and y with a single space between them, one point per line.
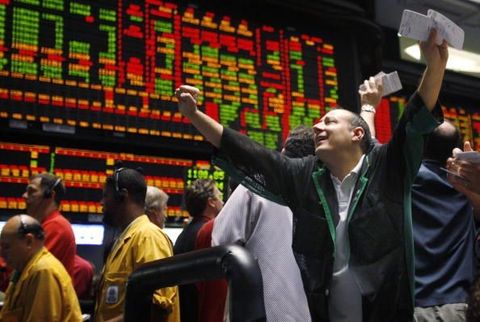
156 205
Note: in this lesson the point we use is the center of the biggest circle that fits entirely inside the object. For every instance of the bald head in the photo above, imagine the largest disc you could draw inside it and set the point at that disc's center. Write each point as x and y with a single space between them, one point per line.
440 143
22 225
21 238
156 205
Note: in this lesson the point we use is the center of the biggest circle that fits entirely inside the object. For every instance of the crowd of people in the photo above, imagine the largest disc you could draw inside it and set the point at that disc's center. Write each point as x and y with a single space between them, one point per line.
344 229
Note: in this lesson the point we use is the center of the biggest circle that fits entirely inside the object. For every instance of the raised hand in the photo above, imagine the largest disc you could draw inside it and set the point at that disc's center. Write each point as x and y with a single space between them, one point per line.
435 55
187 105
372 95
187 99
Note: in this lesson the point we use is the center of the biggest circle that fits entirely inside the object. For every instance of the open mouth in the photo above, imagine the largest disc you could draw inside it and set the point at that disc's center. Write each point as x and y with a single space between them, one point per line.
320 138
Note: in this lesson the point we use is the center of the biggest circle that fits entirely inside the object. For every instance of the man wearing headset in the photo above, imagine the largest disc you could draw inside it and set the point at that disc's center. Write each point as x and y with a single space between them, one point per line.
140 241
42 197
40 289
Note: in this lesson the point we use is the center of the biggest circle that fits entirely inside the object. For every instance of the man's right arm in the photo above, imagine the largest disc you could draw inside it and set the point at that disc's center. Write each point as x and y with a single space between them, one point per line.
370 98
266 172
187 105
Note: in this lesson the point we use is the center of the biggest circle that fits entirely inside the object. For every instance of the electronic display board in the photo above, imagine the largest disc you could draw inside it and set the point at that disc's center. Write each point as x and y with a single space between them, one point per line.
465 116
112 66
84 173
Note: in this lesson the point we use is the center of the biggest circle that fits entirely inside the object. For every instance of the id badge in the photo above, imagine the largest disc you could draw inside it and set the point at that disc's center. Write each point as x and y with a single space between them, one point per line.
111 296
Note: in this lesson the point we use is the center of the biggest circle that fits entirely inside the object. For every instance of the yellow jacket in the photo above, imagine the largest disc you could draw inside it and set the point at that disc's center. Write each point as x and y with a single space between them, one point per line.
140 242
43 292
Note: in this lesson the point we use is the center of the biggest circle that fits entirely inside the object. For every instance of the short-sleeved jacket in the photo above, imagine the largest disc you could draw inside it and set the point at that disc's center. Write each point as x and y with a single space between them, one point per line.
43 292
140 243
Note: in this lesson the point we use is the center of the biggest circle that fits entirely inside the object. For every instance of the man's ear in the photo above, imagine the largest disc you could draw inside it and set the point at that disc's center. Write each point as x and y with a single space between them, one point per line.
29 238
211 202
122 194
358 134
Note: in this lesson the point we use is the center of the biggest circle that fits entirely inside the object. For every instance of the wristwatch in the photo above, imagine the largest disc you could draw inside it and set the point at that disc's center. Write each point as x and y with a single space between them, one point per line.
368 108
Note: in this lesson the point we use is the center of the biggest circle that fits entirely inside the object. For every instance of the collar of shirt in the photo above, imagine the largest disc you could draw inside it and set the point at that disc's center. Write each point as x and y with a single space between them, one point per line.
51 215
344 188
126 232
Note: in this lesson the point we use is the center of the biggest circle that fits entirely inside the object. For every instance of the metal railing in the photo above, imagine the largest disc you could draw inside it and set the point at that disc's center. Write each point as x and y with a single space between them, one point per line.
232 262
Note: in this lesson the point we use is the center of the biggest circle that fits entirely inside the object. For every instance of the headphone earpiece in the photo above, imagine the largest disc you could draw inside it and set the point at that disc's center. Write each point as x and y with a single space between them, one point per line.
121 194
47 194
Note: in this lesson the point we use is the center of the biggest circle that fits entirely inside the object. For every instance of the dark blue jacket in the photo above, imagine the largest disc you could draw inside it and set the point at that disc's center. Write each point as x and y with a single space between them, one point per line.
444 235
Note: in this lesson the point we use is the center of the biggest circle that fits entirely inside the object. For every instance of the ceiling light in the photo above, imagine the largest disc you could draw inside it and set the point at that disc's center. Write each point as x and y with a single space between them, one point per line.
458 60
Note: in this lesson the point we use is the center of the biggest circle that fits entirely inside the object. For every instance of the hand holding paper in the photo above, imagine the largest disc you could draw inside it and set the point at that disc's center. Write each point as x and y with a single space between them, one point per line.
417 26
391 83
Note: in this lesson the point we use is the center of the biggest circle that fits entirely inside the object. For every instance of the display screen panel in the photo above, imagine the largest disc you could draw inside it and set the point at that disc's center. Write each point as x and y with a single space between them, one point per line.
84 173
112 66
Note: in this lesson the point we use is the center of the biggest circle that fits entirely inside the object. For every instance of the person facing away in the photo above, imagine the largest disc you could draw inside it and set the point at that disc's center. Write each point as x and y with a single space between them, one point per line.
444 234
43 195
156 205
140 242
352 270
203 202
40 288
265 229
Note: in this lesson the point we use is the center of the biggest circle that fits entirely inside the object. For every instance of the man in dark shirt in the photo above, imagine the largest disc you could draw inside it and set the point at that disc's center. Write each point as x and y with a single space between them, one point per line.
203 202
351 204
444 234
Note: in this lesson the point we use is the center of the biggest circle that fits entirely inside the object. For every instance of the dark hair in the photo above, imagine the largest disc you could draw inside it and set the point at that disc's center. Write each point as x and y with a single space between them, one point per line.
439 144
51 183
34 228
366 143
300 142
197 194
130 180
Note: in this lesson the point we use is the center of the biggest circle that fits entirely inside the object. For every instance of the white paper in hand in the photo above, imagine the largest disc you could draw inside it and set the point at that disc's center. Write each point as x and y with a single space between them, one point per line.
471 156
391 83
447 30
415 25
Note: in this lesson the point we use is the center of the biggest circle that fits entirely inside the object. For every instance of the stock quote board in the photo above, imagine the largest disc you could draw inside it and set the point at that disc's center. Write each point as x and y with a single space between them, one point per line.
84 173
112 66
464 115
99 69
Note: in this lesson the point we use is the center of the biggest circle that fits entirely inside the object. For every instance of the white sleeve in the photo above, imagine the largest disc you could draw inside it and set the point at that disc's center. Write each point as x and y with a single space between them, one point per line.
231 223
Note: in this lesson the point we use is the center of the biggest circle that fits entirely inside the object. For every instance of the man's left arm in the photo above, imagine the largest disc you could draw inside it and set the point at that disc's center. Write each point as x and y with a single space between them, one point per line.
423 113
436 57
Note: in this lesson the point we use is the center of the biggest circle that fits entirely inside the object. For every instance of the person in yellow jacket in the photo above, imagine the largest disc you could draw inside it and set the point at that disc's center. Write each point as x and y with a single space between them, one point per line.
40 289
140 242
